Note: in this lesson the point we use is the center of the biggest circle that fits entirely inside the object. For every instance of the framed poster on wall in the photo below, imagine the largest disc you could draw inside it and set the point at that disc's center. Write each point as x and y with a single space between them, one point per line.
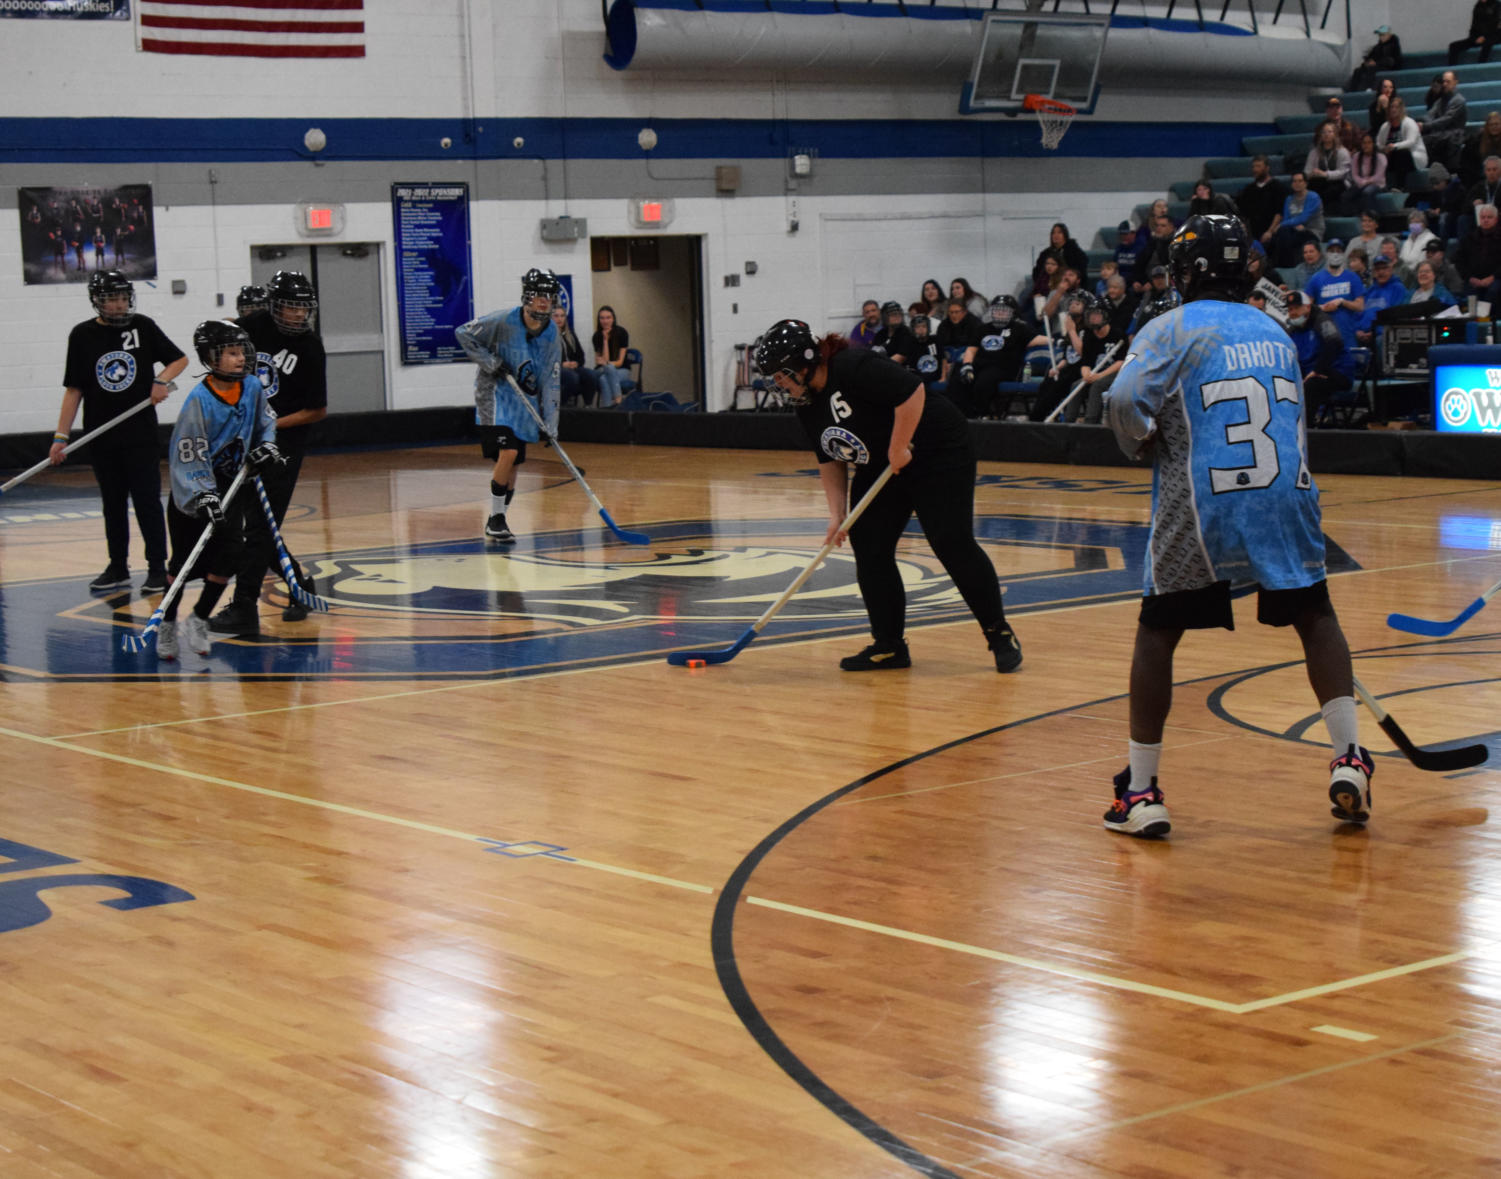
434 282
68 234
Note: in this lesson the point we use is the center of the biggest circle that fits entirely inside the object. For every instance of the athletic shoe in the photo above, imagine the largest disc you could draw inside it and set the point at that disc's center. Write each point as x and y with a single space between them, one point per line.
240 619
878 657
295 612
1350 786
1005 646
156 580
113 577
1137 812
496 529
195 631
166 641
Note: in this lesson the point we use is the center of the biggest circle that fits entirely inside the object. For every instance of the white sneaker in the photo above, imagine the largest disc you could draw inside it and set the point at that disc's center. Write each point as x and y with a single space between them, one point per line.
195 631
166 641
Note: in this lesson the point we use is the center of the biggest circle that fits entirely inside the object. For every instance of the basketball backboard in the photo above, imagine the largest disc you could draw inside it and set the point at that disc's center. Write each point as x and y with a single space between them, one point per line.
1056 55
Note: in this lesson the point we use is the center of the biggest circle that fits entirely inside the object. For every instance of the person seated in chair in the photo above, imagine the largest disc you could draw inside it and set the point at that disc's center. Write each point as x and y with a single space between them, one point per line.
1326 364
894 341
610 343
1003 346
1479 258
577 379
1337 292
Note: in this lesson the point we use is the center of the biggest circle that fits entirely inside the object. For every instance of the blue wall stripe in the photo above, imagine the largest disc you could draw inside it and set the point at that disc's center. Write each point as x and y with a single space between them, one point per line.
104 140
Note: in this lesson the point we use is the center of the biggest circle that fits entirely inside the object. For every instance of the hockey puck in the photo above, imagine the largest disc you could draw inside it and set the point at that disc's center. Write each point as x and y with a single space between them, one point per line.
697 663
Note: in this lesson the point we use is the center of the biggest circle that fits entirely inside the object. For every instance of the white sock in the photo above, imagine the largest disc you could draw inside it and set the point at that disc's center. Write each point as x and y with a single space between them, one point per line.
1144 759
1339 718
497 505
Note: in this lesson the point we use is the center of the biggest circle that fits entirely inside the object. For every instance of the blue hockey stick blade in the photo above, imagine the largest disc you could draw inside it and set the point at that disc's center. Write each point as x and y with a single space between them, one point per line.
684 658
624 534
1423 626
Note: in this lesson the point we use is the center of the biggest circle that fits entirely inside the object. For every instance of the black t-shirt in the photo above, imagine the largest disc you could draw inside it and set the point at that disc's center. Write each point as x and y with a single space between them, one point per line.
1094 348
925 359
620 340
955 338
293 367
897 341
851 417
113 366
1003 348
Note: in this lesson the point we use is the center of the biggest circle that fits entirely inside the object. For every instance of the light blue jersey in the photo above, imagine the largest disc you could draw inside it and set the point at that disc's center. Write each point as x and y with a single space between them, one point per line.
1232 497
535 362
212 438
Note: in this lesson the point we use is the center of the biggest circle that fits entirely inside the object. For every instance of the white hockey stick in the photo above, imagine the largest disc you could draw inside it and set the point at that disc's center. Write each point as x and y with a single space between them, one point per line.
72 446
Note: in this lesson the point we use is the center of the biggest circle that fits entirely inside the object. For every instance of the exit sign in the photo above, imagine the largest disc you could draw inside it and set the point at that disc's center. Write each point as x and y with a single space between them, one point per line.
651 212
314 220
320 218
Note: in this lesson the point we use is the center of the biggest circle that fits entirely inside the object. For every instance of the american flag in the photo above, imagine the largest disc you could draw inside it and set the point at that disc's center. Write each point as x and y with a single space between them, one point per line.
253 28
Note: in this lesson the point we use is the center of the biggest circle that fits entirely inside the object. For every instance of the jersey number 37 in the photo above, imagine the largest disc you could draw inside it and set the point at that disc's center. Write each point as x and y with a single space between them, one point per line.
1266 464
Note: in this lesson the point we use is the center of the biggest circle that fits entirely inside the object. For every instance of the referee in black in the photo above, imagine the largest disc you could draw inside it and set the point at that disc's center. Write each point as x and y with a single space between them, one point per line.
860 408
292 365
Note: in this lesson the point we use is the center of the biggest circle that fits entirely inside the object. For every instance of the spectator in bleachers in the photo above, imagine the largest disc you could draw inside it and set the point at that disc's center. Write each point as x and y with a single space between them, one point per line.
1118 303
1158 245
1345 131
1328 166
1382 57
1070 287
1369 238
925 361
1415 244
1479 147
935 302
1064 250
1429 289
1385 291
894 340
1337 292
1486 190
1003 347
976 303
1376 113
1302 219
958 338
1128 249
1479 257
1311 263
1485 27
1328 368
1202 200
1159 209
870 323
1444 202
1389 250
1261 201
1257 264
576 380
1443 127
1108 270
1447 273
1400 141
1367 178
611 342
1045 280
1359 263
1156 299
919 310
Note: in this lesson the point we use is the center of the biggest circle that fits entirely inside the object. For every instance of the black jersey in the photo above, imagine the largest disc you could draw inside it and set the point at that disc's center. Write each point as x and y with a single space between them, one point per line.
850 418
293 368
113 366
897 341
954 339
1003 349
1095 348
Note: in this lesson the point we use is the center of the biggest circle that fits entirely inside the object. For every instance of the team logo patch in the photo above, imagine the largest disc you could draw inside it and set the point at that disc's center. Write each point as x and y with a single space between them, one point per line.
268 373
994 343
526 375
927 364
115 371
839 443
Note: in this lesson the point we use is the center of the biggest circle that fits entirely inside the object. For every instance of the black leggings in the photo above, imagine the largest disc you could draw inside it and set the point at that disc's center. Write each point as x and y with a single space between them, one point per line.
126 476
260 549
940 488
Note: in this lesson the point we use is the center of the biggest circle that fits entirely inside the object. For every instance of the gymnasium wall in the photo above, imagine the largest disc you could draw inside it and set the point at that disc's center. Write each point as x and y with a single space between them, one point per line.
902 188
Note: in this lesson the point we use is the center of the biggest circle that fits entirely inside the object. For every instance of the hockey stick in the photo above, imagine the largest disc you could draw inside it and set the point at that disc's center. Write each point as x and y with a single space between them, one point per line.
133 642
1422 626
1437 761
284 558
1105 358
688 658
1047 331
72 446
625 535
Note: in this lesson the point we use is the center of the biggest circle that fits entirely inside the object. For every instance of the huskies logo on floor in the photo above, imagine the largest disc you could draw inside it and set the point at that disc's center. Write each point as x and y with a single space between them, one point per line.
456 609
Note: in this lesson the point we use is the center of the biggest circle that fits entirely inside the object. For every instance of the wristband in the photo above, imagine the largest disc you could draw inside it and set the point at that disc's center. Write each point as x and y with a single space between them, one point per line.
59 437
159 381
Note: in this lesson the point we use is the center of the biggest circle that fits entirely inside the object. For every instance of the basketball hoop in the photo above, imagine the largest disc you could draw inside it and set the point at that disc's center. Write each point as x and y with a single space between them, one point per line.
1053 116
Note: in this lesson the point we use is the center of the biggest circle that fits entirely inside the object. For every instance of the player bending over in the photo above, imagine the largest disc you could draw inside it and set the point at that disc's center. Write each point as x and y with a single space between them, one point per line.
1212 391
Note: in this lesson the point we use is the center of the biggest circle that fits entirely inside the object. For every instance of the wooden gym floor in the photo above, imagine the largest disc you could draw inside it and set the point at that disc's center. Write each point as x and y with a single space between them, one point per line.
462 879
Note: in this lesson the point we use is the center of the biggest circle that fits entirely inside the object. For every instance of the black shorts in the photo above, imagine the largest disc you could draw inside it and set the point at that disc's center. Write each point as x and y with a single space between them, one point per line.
494 439
1209 607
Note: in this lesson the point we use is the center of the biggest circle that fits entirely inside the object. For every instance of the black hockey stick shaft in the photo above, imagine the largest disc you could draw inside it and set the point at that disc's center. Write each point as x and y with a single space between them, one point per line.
1436 761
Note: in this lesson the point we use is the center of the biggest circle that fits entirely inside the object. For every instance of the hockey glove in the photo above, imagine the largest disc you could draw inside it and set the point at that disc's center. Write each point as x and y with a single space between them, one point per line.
967 373
265 456
209 506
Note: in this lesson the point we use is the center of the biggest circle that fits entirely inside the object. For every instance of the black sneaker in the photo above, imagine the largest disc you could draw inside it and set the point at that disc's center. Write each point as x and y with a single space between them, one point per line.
240 619
113 577
1350 786
295 612
156 580
496 529
1137 812
1003 643
878 657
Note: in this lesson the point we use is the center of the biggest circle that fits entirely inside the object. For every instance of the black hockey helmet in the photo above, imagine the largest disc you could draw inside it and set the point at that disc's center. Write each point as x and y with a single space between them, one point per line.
1159 305
788 347
111 284
1208 256
1096 315
212 336
252 298
288 291
892 313
1003 310
540 282
1078 302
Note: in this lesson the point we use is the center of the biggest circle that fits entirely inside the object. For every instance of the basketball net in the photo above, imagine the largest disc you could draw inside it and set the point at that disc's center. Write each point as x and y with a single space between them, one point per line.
1053 116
